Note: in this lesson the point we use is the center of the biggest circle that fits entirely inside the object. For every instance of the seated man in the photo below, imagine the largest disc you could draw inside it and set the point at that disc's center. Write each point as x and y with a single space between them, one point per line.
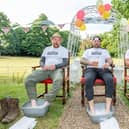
52 60
127 58
97 61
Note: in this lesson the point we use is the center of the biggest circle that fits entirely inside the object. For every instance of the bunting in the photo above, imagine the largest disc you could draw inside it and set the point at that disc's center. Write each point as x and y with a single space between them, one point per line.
27 29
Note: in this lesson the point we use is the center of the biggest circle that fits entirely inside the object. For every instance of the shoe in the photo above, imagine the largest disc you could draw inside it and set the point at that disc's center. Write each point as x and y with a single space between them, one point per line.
13 110
3 108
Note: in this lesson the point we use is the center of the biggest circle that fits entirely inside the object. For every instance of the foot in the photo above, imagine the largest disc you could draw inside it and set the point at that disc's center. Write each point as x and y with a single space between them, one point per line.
107 112
46 103
92 113
33 103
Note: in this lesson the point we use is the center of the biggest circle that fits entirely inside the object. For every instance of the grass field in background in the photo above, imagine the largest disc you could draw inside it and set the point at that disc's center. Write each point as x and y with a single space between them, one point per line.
16 68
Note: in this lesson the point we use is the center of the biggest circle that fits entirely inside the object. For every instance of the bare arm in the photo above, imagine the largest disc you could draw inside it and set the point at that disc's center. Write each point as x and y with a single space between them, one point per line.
87 62
127 62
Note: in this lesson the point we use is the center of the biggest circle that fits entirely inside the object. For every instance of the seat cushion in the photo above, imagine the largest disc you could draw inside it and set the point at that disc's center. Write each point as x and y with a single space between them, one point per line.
49 80
98 81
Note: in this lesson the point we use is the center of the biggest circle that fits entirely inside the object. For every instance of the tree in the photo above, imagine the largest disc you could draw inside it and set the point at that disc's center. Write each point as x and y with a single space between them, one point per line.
122 6
4 21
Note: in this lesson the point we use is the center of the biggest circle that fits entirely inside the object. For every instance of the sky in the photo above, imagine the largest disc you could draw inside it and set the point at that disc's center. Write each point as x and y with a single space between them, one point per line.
58 11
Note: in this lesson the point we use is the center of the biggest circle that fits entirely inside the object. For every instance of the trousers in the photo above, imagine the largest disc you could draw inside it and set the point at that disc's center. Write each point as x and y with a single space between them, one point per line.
38 75
105 74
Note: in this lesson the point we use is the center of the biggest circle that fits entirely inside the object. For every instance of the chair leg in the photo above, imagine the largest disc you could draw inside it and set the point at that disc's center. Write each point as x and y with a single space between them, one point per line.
68 88
82 95
64 94
125 87
46 88
114 95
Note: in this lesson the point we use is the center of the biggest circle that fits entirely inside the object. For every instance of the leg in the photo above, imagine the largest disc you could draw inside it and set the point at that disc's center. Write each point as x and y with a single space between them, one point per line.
109 88
90 76
30 84
57 77
108 104
91 105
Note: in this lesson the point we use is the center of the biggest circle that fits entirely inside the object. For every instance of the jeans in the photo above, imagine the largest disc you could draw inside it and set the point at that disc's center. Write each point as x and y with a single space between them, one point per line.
105 74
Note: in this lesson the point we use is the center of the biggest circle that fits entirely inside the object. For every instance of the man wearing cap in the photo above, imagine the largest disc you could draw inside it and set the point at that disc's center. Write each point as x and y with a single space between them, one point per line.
52 60
97 61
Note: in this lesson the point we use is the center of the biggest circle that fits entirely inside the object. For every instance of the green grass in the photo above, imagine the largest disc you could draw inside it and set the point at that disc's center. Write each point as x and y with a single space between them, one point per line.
14 69
49 121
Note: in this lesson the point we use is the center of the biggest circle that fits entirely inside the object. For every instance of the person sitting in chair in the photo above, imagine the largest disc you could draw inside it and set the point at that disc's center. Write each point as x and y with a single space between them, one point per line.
52 60
127 58
97 61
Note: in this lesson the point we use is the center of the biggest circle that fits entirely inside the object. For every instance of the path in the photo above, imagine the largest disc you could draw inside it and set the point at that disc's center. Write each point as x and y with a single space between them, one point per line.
75 116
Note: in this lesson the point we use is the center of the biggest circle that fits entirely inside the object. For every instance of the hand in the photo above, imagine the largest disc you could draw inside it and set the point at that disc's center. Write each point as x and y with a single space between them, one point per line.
52 67
49 67
106 65
45 67
94 63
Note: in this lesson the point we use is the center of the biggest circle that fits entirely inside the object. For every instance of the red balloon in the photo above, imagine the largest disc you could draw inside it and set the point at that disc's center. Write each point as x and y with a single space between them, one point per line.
80 14
107 7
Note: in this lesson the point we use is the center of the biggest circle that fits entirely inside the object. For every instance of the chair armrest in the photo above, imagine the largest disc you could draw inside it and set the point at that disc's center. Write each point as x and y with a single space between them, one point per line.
35 67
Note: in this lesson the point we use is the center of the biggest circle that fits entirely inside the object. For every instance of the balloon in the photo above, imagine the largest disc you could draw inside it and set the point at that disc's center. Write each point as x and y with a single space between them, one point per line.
78 22
107 7
80 14
99 2
101 9
106 14
83 27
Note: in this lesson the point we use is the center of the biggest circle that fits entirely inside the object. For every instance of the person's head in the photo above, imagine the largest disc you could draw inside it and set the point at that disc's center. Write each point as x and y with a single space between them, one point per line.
56 40
96 41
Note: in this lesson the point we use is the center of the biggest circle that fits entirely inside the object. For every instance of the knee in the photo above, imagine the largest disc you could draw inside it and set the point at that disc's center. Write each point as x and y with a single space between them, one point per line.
88 80
59 78
28 81
109 79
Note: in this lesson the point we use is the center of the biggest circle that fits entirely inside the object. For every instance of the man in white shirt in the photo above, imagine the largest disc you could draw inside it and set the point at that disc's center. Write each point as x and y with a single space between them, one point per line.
97 61
52 60
127 58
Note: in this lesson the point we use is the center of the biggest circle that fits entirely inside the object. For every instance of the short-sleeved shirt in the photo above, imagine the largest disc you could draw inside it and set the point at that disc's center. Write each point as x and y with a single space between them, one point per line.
54 55
96 54
127 54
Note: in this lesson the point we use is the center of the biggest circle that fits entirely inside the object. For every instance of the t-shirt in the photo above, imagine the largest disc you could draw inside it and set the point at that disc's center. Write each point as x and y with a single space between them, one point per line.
127 54
96 54
54 55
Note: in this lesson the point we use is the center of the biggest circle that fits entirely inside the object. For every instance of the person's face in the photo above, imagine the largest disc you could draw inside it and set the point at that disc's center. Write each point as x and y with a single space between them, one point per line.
56 41
96 43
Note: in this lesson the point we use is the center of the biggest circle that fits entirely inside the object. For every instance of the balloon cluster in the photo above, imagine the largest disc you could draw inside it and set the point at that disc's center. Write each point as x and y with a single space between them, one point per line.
104 9
79 22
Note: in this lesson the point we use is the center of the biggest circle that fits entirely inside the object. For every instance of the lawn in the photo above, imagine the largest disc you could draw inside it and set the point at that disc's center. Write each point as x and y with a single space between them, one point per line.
12 72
